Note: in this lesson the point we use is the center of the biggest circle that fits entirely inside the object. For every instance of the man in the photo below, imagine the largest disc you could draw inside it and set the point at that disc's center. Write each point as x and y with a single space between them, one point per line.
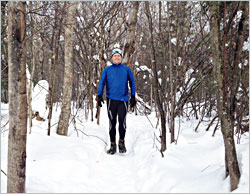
116 78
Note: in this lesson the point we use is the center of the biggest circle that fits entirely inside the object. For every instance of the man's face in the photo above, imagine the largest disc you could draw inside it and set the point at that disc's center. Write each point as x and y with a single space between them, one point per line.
116 58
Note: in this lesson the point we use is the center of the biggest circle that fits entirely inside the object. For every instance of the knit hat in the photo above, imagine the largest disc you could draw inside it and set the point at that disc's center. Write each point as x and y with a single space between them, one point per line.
116 50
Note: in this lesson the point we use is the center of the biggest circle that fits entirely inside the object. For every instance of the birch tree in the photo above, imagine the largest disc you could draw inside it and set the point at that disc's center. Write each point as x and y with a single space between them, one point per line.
17 97
132 21
63 124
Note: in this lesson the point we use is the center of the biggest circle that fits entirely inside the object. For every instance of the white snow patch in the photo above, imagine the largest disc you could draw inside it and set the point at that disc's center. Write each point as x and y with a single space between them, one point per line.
117 45
174 41
39 97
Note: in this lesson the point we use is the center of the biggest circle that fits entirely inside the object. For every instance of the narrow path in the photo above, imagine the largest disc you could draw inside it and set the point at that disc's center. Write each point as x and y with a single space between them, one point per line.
117 173
142 167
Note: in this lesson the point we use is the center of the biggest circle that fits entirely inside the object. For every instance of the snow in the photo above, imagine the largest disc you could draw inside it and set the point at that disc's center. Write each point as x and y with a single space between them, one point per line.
174 40
160 80
39 98
96 57
180 61
246 45
61 38
77 47
144 68
109 63
78 163
246 62
117 45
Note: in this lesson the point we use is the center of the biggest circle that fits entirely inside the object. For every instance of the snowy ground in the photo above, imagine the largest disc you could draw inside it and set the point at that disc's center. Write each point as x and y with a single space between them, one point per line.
74 164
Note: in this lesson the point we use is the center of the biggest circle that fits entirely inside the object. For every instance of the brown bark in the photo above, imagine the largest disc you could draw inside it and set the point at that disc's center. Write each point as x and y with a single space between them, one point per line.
231 161
34 51
17 98
156 83
63 124
172 116
129 46
235 77
54 62
102 61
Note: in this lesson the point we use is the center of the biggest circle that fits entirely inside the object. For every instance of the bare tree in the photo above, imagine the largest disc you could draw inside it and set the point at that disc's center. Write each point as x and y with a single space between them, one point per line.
231 161
63 124
58 21
156 83
172 116
34 52
17 97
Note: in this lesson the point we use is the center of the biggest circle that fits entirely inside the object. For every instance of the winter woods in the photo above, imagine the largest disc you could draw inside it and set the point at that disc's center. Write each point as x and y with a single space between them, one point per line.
189 59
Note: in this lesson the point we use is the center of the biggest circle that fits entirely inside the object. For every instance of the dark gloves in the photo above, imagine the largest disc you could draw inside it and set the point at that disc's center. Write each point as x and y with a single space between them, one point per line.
100 101
132 101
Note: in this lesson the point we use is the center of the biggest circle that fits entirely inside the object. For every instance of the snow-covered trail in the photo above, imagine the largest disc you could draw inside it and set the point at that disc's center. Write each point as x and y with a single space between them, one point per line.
142 169
72 164
119 172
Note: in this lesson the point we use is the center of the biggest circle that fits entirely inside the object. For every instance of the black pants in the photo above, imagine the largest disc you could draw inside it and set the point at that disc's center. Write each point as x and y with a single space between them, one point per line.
115 108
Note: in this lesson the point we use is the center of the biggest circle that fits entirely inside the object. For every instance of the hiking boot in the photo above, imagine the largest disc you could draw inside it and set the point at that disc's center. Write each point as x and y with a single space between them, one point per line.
121 145
112 149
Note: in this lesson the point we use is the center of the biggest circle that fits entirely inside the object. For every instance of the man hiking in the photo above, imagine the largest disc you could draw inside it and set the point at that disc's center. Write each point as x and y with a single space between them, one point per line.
116 78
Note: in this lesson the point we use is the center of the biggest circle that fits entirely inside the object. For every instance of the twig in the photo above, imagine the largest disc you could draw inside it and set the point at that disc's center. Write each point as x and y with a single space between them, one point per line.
5 124
94 136
211 122
53 124
178 131
201 119
74 123
162 154
206 168
149 121
215 129
155 137
3 172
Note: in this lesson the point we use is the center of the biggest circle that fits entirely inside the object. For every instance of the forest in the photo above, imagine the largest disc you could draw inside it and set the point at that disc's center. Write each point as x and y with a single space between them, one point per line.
190 59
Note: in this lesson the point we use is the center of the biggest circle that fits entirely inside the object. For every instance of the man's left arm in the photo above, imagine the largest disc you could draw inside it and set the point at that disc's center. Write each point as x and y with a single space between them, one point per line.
131 82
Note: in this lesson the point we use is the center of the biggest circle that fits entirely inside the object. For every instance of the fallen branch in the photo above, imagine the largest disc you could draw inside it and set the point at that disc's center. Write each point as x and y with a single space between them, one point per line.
93 136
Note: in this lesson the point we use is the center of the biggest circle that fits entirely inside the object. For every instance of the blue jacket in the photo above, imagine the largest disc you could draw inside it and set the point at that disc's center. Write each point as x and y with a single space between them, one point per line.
116 78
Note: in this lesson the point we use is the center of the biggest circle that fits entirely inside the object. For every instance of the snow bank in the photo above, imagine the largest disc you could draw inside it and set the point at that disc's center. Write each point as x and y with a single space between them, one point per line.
39 97
79 163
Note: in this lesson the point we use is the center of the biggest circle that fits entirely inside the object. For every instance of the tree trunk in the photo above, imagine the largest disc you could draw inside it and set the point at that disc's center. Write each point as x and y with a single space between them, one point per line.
151 96
231 162
17 98
54 63
42 52
129 46
172 116
235 76
34 51
156 83
63 124
102 61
